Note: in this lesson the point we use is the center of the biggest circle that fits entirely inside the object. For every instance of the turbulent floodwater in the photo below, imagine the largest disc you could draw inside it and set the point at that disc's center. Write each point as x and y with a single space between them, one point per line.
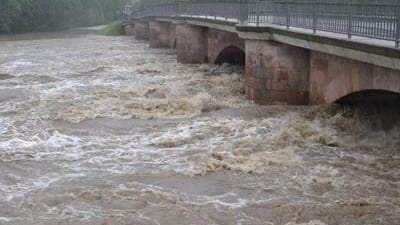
103 130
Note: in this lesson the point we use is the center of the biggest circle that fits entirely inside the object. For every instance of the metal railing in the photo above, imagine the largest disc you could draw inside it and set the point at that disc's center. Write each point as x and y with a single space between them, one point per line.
379 21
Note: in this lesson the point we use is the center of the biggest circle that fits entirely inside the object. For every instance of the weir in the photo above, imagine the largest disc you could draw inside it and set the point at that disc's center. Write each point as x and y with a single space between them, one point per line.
286 62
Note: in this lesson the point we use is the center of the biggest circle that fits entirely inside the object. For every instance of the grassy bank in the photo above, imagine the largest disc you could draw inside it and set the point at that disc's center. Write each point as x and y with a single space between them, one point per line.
113 29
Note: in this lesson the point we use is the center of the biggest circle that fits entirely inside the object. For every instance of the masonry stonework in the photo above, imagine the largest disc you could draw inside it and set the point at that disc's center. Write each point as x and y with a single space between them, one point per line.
160 34
172 36
276 73
192 43
129 29
333 77
141 30
219 40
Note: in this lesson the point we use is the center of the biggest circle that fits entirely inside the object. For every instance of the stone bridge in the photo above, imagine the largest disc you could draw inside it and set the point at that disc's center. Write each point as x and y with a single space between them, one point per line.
281 66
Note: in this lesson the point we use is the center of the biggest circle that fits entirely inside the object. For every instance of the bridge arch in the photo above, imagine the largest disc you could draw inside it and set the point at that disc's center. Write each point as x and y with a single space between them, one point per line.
376 96
225 46
232 55
334 78
349 87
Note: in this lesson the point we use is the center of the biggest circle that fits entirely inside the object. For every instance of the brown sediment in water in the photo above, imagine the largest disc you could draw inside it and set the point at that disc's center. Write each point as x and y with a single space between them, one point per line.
5 76
104 130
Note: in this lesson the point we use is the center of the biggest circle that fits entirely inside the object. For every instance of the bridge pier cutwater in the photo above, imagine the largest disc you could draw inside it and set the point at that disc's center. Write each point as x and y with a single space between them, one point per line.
192 43
141 30
129 29
281 67
276 73
161 34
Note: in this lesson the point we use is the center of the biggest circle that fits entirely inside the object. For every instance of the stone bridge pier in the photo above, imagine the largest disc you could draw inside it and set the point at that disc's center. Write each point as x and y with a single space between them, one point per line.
141 30
276 73
162 34
192 44
129 29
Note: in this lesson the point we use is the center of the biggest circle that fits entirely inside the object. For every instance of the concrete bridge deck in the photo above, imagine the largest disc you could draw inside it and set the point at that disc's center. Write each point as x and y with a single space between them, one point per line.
282 66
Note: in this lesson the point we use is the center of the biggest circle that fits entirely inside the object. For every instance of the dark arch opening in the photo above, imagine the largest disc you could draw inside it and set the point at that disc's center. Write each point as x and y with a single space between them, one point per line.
381 97
231 55
379 109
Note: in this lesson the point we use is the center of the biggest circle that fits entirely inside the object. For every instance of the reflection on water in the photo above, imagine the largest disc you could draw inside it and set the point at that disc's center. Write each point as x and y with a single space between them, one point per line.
104 130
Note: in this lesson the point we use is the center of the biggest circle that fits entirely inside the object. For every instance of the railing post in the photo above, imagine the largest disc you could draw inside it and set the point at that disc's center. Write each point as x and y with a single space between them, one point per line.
208 9
215 11
182 9
244 12
258 13
350 21
287 15
315 19
397 11
176 8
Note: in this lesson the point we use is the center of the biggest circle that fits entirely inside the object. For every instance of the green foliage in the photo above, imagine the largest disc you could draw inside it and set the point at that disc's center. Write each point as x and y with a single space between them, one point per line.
44 15
112 29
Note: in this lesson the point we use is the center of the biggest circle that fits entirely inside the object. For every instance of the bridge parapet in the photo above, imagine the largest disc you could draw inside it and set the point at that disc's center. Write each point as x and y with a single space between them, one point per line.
371 20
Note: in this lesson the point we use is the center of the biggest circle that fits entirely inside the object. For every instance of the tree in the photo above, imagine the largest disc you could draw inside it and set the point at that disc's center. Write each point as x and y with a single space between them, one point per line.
47 15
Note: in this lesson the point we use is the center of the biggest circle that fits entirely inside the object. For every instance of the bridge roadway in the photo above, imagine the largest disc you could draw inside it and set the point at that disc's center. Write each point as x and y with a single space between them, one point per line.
282 66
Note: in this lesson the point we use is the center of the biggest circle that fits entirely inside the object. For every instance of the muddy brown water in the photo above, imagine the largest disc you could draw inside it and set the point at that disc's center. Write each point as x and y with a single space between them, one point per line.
104 130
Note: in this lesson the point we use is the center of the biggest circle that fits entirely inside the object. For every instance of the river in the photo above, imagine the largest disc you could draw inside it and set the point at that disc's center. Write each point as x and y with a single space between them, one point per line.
102 130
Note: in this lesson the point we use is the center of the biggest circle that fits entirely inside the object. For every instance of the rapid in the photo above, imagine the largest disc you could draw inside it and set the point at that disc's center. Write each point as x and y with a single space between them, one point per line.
100 130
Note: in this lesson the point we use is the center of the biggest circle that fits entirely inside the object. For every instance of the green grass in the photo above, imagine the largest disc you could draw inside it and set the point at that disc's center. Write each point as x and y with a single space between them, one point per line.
113 29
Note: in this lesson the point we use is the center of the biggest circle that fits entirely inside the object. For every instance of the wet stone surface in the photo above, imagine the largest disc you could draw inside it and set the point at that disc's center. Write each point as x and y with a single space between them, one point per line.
104 130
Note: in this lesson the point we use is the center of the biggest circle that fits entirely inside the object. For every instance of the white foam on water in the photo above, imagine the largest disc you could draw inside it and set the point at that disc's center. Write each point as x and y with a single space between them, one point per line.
235 201
312 222
58 140
17 143
5 219
4 125
10 67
